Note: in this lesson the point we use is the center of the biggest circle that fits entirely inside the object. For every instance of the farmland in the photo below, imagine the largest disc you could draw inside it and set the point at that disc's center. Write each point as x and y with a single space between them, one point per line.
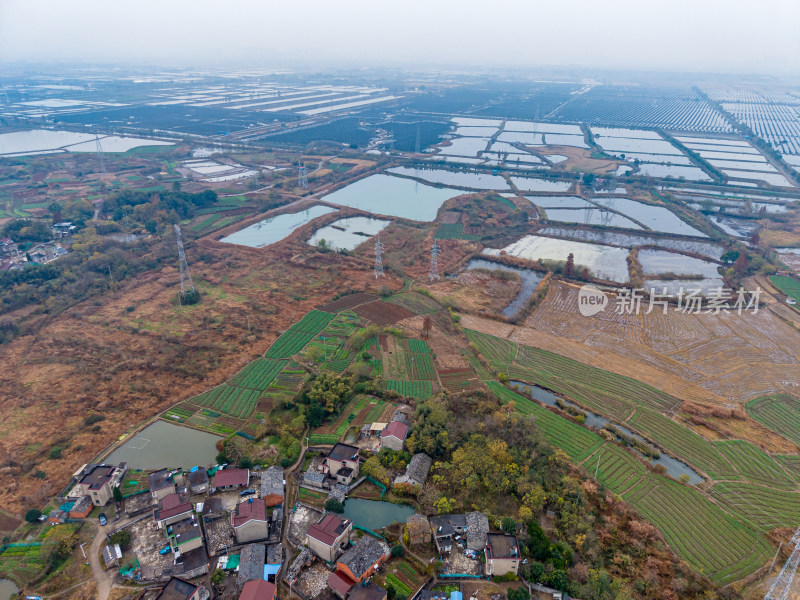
417 303
788 285
755 465
410 389
764 508
683 443
618 469
454 231
383 313
258 374
718 546
228 399
780 413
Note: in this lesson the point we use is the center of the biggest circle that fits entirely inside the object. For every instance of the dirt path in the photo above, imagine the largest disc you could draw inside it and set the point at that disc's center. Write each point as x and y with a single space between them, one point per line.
104 579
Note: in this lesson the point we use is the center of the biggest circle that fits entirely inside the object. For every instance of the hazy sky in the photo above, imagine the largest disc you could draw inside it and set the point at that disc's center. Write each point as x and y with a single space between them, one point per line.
739 36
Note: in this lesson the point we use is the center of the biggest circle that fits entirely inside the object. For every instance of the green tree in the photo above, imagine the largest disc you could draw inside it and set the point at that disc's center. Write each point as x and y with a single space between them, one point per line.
117 493
217 577
333 505
32 515
373 468
397 550
509 526
121 537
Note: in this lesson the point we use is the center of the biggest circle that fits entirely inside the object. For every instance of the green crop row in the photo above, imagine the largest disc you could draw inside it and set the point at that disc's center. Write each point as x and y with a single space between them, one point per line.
289 344
258 374
755 465
718 546
780 413
410 389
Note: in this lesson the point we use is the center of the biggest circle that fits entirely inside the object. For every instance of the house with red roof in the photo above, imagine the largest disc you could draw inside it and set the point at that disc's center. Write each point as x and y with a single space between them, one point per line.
394 435
328 536
171 509
249 521
258 589
230 479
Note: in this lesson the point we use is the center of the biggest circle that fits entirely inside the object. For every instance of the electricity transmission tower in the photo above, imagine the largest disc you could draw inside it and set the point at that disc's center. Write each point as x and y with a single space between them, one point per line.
302 180
378 259
783 584
433 274
100 154
186 277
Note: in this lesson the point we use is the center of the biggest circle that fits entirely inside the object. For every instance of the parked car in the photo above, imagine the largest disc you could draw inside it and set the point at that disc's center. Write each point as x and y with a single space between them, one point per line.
102 519
247 492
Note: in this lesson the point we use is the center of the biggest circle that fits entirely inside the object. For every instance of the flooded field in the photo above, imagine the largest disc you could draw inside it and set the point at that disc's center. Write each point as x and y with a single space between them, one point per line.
542 139
624 145
606 262
591 216
393 196
542 127
532 184
657 262
673 287
347 234
470 180
690 173
465 146
274 229
775 179
630 240
560 202
165 445
656 218
44 141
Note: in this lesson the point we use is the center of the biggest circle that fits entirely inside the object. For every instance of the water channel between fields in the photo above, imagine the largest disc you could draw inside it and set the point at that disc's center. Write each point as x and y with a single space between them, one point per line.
673 466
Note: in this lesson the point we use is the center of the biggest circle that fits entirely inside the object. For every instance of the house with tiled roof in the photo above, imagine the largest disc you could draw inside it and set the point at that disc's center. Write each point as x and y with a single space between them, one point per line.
362 560
342 463
328 536
272 485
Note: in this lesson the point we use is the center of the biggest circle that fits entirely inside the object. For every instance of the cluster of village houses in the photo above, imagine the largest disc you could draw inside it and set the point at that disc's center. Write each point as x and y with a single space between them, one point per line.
191 522
12 257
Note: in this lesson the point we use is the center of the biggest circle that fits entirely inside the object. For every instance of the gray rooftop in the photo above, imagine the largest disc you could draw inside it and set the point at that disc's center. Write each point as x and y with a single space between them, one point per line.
198 477
251 563
477 528
159 480
314 477
444 525
274 554
272 481
338 492
417 470
366 552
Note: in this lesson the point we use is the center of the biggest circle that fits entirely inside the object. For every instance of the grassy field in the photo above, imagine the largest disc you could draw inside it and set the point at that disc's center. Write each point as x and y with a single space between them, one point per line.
500 353
780 413
712 542
788 285
417 303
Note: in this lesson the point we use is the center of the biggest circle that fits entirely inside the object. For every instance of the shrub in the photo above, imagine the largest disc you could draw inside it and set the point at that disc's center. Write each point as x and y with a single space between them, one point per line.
397 550
92 419
55 452
121 537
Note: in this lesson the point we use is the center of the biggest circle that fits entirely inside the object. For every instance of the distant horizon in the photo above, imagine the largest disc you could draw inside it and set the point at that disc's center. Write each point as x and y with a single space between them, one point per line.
532 73
679 36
